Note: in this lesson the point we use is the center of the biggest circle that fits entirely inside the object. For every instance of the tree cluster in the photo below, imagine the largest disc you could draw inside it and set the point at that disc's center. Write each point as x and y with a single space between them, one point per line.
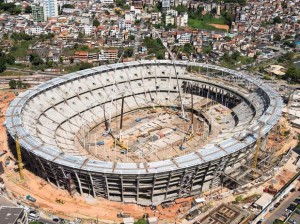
186 48
68 6
128 52
13 84
10 8
28 9
96 22
293 75
35 59
155 46
4 60
122 4
20 36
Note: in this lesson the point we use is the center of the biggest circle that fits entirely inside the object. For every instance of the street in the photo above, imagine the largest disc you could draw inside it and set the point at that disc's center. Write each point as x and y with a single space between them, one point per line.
279 211
6 202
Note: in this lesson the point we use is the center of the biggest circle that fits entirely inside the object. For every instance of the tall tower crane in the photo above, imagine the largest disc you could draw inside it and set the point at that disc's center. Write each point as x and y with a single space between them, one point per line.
20 163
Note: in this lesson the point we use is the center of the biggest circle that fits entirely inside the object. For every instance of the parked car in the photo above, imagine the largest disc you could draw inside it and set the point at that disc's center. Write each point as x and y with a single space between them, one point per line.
55 219
29 198
271 210
33 215
277 204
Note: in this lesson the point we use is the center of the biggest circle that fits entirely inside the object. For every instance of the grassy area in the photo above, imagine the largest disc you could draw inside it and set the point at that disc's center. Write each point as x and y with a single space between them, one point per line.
12 73
20 49
199 22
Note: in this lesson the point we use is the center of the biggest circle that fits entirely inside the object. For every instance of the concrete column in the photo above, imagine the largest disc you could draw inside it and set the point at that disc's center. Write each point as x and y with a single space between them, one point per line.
168 184
107 189
54 174
205 175
38 159
152 192
192 182
79 182
137 188
122 189
92 184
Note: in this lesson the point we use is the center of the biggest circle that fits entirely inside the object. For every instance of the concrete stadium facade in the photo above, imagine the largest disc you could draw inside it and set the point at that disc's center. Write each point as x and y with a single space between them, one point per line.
48 117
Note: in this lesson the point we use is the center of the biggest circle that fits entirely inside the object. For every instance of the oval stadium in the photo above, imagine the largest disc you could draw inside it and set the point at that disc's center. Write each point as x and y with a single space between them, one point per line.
143 132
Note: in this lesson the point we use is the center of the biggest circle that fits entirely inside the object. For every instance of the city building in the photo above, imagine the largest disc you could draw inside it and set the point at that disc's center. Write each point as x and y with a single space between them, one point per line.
50 9
13 215
37 13
165 5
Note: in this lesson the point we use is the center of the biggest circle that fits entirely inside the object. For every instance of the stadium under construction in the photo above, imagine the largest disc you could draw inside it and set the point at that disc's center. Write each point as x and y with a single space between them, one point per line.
144 132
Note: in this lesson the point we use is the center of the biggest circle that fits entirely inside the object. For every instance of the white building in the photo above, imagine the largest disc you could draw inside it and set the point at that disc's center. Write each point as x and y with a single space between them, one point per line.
35 30
50 9
88 30
166 5
182 20
169 20
184 38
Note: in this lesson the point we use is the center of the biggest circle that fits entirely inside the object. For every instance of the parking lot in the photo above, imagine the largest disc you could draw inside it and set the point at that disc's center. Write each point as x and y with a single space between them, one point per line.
284 209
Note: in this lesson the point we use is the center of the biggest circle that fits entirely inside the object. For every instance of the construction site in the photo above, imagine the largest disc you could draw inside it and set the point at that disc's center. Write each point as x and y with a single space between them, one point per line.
153 135
145 132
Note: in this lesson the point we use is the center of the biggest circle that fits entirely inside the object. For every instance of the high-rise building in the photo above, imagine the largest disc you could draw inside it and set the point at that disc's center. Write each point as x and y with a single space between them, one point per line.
165 5
37 13
50 8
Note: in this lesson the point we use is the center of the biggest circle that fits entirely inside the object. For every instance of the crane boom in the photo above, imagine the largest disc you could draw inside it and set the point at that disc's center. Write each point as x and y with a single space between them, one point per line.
20 163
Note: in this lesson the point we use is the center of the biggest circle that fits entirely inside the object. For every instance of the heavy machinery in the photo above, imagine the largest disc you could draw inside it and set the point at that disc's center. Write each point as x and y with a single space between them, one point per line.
271 190
20 163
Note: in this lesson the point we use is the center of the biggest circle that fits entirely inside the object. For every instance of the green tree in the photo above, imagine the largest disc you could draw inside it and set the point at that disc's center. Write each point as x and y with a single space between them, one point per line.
68 6
96 22
277 37
10 59
181 8
85 65
207 49
155 46
239 199
12 84
128 52
277 19
131 37
36 60
293 74
188 48
2 64
141 221
80 35
214 11
277 221
28 9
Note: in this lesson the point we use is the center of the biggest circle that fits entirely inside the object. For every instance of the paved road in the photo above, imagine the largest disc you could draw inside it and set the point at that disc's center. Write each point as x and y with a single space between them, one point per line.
6 202
280 210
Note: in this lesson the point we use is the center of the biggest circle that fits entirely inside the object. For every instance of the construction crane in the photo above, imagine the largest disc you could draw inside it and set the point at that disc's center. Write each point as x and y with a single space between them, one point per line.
286 116
257 148
20 163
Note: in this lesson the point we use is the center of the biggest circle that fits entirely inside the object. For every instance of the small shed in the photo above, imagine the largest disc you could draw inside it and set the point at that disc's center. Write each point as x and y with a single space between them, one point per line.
152 220
129 220
263 201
